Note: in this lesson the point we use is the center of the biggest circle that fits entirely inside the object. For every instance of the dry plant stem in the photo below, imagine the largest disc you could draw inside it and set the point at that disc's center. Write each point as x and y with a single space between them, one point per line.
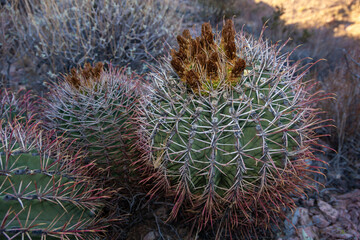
65 34
344 109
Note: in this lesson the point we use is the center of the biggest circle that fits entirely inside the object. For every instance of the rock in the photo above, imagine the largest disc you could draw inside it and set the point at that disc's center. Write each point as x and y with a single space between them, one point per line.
310 202
344 236
307 233
289 238
331 213
161 212
337 232
341 204
150 236
314 211
290 222
295 218
320 221
351 195
183 232
304 216
354 216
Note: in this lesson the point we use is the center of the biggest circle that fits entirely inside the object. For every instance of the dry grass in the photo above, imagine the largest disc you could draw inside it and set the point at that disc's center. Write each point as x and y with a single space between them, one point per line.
50 37
215 10
8 46
339 15
344 109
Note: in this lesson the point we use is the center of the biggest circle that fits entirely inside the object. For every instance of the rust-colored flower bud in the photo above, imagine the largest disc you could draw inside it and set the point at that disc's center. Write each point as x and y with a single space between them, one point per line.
178 66
192 79
201 58
186 34
207 37
195 48
239 68
228 39
183 43
212 65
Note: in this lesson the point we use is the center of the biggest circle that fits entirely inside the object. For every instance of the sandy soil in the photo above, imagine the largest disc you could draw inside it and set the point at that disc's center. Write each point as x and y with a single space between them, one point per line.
341 15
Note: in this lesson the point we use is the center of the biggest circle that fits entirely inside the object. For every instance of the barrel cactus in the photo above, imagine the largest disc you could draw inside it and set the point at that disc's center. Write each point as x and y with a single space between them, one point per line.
43 194
18 106
94 106
228 129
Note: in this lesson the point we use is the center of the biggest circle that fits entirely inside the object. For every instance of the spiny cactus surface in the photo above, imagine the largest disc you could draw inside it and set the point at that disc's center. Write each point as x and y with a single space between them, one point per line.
229 128
53 36
43 194
94 106
18 106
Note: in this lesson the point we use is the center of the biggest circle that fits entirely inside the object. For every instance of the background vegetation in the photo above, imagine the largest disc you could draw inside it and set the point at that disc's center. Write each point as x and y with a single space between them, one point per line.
40 40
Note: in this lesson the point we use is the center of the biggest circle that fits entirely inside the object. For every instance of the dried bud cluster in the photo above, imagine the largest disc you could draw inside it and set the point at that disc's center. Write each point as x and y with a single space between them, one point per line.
85 76
201 61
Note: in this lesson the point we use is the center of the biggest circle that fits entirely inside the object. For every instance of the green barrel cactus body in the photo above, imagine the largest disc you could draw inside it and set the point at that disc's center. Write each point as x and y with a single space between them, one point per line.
228 129
19 106
94 106
43 195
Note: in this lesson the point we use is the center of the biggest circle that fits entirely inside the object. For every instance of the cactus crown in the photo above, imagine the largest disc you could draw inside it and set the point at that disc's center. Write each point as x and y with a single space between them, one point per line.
204 64
86 76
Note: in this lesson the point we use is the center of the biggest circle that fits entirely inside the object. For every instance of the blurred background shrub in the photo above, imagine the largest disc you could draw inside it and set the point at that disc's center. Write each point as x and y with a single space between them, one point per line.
45 38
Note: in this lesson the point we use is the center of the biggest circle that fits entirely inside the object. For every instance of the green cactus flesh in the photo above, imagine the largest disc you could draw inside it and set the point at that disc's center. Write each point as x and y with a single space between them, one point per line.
39 196
229 145
15 106
95 111
234 130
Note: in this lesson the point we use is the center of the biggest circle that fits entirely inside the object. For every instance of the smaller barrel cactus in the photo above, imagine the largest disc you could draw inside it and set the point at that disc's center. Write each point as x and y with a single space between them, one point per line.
44 194
228 128
94 106
18 106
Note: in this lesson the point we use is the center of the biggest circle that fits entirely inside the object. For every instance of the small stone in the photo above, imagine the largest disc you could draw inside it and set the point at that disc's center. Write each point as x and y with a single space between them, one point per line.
150 236
314 211
341 204
307 233
304 216
351 195
336 232
183 232
320 221
344 216
289 226
331 213
161 212
310 202
344 236
295 218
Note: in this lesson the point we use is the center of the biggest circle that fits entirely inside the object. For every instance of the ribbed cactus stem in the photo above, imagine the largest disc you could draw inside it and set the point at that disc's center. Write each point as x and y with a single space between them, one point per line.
43 194
231 134
17 106
94 106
